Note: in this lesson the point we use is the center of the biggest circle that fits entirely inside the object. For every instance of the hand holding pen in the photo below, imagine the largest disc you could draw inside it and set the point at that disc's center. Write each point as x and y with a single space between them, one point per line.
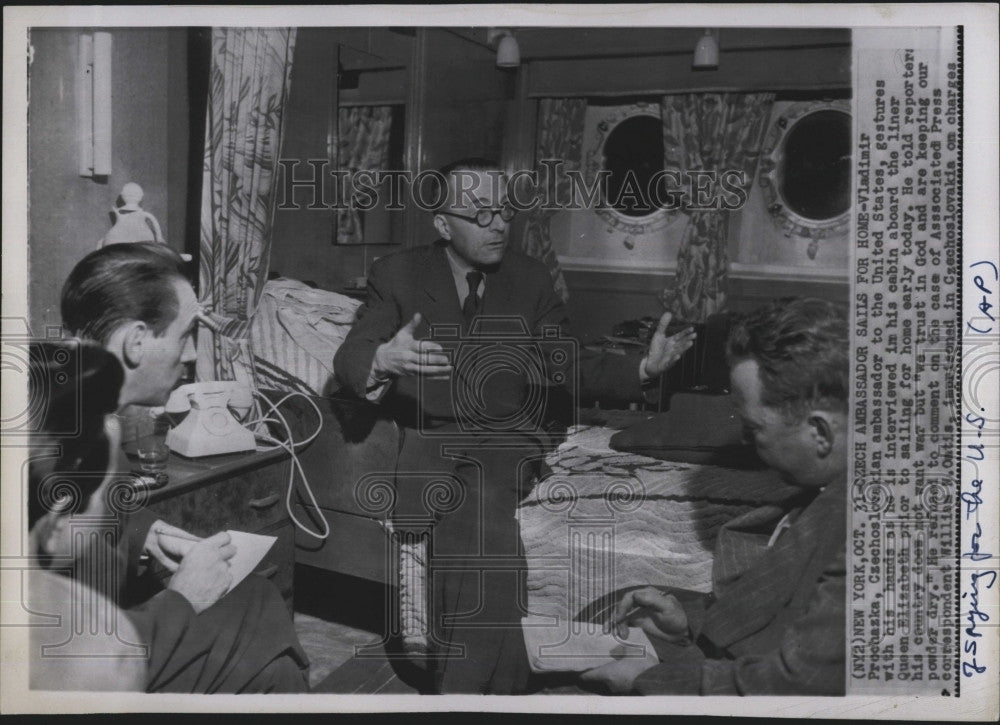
657 613
168 544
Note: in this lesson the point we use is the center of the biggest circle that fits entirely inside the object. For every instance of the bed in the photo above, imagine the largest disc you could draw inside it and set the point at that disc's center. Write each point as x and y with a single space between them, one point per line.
605 520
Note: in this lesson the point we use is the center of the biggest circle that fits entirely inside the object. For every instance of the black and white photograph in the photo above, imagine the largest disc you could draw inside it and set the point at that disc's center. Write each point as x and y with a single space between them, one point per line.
404 359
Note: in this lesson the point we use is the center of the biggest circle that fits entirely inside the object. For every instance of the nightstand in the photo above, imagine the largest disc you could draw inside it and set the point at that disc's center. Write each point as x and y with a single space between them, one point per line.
238 491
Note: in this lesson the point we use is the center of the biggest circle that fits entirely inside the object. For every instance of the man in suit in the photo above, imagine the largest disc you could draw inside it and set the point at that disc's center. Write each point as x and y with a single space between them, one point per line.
473 416
135 315
774 622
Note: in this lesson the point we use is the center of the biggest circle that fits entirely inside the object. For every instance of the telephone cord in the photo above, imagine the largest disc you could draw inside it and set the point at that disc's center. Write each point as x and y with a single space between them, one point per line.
289 446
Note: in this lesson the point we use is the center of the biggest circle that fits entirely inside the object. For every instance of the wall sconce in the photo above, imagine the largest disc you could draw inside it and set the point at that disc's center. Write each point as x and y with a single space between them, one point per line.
508 52
706 52
93 93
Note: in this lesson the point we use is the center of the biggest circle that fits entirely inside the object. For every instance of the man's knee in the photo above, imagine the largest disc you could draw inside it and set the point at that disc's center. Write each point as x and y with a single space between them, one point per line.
282 674
256 588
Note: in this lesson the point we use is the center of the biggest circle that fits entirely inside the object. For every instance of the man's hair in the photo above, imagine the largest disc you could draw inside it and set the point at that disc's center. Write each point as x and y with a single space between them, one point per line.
72 386
120 283
469 163
801 349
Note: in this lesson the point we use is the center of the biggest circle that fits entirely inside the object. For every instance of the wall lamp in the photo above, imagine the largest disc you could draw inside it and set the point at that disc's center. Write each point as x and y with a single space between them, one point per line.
706 52
508 52
93 94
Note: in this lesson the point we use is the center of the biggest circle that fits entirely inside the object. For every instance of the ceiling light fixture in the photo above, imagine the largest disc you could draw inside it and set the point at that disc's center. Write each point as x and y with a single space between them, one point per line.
706 52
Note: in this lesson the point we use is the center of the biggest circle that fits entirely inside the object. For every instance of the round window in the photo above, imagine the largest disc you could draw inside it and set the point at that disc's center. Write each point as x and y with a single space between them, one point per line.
805 169
816 178
633 153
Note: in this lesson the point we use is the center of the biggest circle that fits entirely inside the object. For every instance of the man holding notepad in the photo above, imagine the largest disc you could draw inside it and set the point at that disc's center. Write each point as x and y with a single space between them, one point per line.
774 622
209 631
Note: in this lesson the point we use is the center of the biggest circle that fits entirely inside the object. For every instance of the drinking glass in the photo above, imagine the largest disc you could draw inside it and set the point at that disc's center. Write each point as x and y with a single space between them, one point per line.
151 443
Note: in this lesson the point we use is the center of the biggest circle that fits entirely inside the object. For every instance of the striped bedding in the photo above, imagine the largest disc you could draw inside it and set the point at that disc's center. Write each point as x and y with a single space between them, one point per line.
605 520
295 333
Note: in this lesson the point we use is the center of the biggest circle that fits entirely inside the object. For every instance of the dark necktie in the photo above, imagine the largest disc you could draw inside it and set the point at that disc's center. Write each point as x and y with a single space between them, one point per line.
471 306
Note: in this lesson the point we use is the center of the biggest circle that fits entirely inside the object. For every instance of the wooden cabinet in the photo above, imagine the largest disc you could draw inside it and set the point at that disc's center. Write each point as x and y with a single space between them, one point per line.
241 491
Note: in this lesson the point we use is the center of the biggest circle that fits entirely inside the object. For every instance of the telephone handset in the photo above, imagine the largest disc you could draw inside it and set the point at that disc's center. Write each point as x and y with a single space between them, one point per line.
210 428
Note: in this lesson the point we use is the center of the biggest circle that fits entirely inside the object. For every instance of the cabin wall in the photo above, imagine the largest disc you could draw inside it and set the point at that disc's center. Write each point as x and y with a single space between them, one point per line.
69 214
456 102
613 275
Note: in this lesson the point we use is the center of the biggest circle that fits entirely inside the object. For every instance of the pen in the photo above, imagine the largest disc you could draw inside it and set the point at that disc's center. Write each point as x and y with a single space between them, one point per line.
179 537
189 537
632 612
612 620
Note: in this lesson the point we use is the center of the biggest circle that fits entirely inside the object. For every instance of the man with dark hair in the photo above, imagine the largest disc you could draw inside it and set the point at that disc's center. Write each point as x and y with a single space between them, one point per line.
133 301
774 623
471 282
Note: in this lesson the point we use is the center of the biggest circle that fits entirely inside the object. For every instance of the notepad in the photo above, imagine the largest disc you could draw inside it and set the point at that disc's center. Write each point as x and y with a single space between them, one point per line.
576 646
250 550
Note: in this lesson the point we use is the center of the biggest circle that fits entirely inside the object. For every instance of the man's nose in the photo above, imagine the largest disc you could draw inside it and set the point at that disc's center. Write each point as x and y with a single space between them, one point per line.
498 224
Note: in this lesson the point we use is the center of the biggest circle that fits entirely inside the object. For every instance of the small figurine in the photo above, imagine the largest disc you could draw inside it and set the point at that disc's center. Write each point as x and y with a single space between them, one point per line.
132 223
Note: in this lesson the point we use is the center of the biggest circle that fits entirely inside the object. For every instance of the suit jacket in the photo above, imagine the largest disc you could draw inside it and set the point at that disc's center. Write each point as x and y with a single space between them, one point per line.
520 312
229 647
774 623
420 280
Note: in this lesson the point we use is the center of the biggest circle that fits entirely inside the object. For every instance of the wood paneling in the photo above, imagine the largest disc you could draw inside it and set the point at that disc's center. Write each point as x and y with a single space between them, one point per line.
581 42
303 245
599 300
742 70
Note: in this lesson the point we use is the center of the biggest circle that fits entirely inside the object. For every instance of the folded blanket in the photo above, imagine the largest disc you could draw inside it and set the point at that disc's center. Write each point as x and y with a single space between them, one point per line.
295 332
698 428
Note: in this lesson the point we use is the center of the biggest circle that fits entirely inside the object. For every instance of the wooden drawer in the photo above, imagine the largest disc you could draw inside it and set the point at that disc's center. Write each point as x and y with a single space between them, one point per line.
279 564
250 501
357 546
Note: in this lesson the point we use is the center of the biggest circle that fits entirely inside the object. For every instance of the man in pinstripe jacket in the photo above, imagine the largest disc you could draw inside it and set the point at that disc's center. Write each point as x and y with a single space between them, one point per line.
774 623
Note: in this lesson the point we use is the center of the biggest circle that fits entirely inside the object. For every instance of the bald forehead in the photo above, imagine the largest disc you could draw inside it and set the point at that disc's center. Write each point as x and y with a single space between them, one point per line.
476 188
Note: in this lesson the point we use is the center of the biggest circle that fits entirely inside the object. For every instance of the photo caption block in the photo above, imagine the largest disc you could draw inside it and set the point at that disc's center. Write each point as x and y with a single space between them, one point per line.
903 595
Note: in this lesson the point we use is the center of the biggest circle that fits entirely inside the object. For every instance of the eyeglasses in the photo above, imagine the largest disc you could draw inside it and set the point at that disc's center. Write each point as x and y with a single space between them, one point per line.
484 217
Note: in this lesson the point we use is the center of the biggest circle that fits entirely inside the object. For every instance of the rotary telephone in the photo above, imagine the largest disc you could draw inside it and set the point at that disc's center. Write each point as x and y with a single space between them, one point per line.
210 428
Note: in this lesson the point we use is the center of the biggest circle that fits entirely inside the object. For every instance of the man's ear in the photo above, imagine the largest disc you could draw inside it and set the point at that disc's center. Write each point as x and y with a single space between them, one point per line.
133 339
441 224
825 431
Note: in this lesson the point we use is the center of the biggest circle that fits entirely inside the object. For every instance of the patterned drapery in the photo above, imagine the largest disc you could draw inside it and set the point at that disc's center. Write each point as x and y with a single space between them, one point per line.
710 132
560 136
362 144
248 89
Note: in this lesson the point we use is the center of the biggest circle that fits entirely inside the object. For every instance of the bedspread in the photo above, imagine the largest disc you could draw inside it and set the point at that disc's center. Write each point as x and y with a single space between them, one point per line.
604 520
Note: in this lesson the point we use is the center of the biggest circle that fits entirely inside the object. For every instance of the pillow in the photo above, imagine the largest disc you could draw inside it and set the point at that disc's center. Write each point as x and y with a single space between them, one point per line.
698 428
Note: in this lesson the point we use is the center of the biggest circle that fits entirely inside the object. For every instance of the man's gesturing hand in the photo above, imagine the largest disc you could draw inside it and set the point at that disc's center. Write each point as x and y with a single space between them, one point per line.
203 575
665 351
403 355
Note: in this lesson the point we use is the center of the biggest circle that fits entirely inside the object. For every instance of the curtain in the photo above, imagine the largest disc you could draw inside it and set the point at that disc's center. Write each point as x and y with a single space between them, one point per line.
248 88
362 144
709 132
560 136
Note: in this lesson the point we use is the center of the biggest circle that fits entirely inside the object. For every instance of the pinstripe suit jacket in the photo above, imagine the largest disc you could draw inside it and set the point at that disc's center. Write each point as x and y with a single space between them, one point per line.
774 623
